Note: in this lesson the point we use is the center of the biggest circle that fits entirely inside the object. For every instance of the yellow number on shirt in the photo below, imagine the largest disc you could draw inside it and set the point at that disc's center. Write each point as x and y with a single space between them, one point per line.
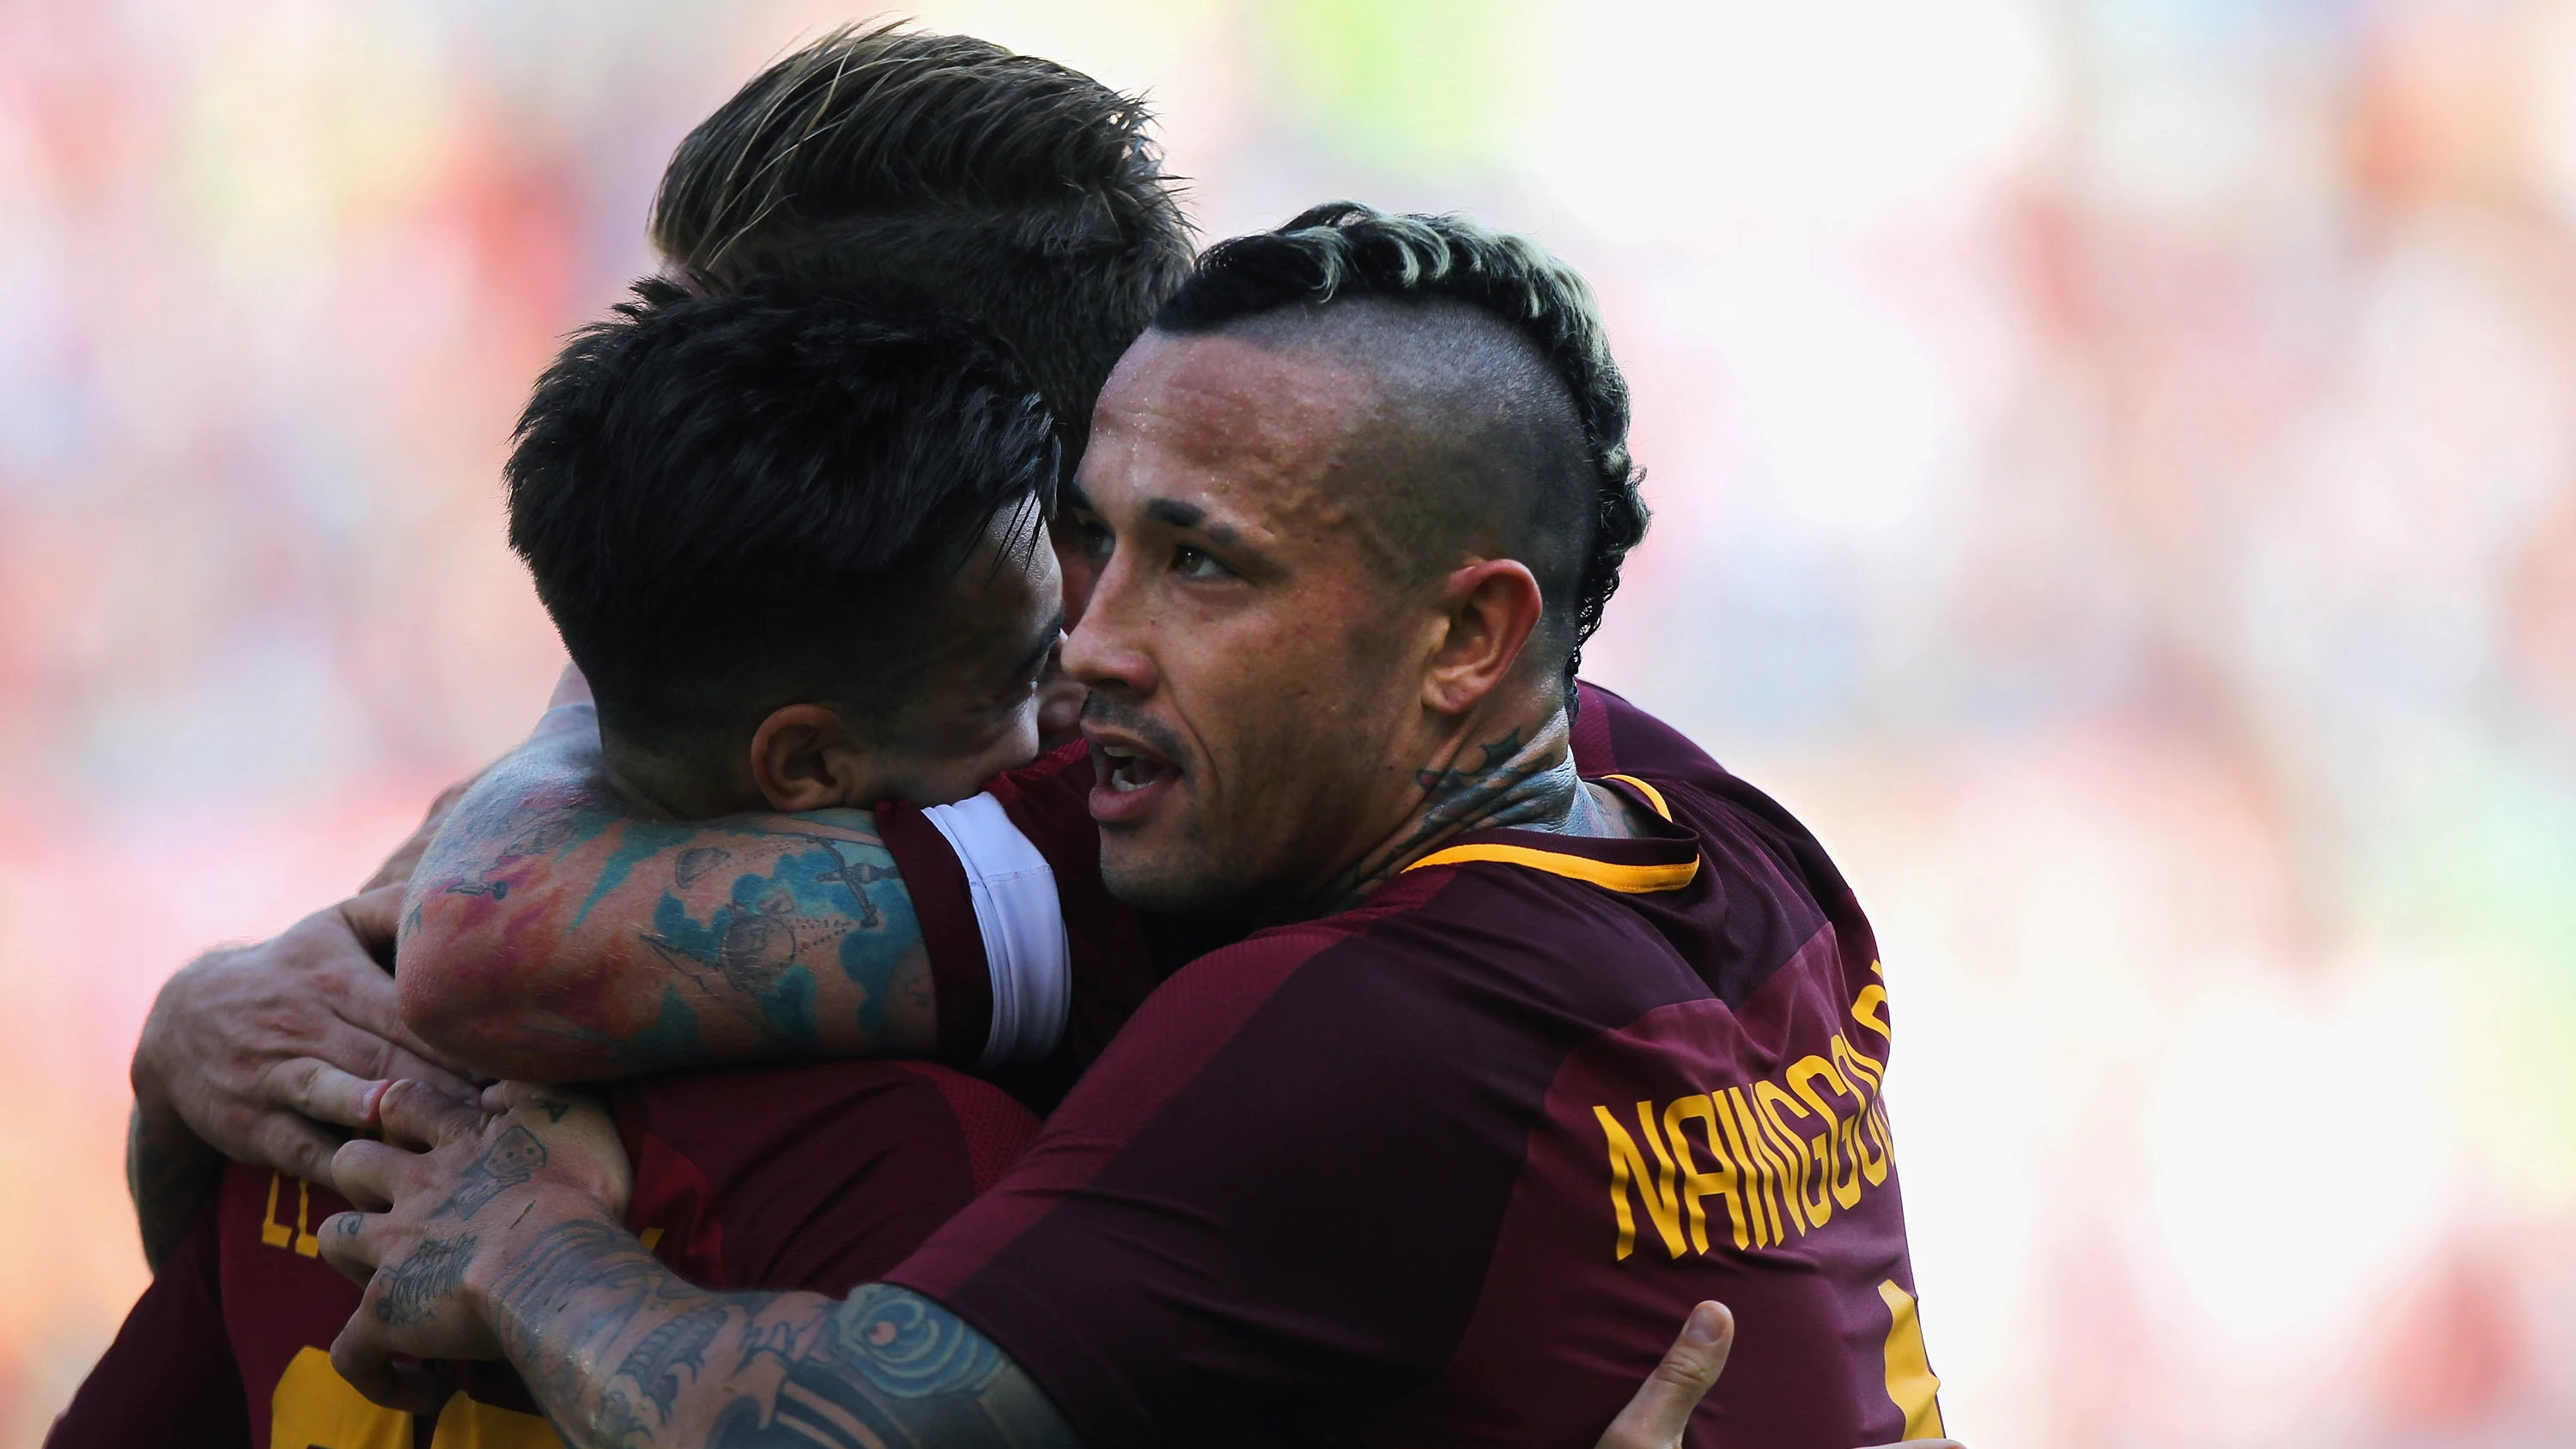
315 1408
1910 1380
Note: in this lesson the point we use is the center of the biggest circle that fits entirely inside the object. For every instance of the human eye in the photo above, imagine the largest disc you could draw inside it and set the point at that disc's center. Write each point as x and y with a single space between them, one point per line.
1198 563
1091 535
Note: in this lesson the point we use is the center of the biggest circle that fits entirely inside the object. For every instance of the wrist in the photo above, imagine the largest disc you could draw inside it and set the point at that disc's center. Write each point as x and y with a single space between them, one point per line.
514 1281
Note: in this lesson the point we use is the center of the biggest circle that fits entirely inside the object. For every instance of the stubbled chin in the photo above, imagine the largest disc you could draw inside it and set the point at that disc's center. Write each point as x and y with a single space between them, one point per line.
1153 877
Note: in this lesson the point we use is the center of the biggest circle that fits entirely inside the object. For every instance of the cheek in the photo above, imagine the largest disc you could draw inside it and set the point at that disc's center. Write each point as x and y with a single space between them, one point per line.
1271 697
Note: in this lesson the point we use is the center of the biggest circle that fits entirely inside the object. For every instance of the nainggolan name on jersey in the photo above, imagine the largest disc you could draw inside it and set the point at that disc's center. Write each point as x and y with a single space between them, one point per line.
1778 1154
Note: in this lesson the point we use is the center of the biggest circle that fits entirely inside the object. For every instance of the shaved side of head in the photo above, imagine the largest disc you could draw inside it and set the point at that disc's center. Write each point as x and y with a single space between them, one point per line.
1490 421
1467 442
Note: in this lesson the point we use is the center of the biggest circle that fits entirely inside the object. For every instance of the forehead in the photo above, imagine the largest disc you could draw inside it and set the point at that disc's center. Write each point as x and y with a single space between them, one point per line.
1256 431
995 606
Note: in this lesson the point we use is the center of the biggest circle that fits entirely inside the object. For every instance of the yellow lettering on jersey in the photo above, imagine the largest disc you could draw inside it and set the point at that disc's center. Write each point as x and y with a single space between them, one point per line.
315 1408
649 1237
305 1241
467 1424
1911 1384
1771 1172
1656 1189
1721 1181
271 1231
274 1232
1757 1207
1813 1211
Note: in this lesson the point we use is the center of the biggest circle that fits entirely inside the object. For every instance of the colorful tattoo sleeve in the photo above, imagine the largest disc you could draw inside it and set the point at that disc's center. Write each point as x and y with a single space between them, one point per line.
554 933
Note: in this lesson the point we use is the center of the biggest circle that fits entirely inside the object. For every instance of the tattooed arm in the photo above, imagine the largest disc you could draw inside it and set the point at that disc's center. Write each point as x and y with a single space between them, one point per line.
555 933
502 1238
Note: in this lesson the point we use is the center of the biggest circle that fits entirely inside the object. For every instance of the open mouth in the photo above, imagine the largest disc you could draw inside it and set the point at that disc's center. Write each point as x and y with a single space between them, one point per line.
1126 780
1126 771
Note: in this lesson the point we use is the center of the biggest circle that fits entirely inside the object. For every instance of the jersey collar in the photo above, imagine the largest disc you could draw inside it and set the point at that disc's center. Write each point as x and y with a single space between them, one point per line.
1639 865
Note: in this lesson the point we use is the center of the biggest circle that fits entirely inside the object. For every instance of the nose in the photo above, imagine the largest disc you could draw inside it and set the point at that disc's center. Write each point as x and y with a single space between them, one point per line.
1110 648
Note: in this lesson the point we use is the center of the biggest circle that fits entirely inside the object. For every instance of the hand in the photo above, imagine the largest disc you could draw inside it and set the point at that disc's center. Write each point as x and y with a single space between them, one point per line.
450 1189
1660 1413
260 1051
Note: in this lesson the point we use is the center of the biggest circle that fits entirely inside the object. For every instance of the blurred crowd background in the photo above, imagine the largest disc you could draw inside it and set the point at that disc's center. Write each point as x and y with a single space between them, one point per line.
2115 472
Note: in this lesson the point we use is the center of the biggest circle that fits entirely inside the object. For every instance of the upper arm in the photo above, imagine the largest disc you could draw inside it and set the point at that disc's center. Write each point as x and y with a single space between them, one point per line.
554 934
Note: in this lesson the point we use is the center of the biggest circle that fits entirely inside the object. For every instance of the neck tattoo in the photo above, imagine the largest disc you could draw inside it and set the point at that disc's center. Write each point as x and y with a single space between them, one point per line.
1522 780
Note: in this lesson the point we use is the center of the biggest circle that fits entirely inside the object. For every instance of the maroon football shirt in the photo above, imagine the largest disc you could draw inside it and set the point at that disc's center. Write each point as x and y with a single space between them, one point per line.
1451 1166
819 1177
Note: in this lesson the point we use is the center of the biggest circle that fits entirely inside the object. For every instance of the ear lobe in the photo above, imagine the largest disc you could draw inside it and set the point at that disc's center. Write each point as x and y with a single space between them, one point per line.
804 758
1494 607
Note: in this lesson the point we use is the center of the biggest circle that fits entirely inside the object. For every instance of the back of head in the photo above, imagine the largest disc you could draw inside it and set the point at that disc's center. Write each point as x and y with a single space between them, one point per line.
734 502
944 170
1501 422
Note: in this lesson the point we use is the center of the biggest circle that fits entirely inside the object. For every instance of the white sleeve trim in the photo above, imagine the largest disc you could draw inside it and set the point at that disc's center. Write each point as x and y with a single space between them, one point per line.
1022 921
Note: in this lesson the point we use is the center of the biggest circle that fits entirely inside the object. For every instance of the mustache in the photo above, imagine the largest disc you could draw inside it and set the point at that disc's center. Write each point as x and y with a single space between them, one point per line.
1100 709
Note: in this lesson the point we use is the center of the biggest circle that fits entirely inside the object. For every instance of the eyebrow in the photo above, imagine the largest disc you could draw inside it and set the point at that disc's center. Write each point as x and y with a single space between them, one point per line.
1176 514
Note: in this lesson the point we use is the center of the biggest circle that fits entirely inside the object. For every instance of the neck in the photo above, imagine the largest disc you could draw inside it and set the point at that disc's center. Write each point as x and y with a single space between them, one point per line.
1515 773
673 788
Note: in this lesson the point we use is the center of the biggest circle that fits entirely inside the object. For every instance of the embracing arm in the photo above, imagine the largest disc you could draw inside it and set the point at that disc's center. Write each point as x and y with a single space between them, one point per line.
621 1352
502 1239
555 933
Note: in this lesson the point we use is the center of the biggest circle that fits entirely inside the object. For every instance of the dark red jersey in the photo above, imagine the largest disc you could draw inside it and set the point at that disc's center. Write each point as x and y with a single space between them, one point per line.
169 1378
1451 1167
819 1177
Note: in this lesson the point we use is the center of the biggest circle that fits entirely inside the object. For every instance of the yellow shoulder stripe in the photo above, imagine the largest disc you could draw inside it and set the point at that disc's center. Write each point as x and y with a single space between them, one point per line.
1627 879
1653 796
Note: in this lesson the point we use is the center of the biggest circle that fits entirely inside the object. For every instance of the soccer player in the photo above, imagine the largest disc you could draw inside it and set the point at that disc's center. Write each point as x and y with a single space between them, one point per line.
940 168
789 538
1553 1029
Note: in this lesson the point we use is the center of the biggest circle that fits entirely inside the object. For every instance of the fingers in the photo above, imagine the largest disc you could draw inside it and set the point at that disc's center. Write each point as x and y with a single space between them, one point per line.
554 1102
370 1174
291 1145
408 1057
363 1359
381 1046
325 1093
347 1246
1660 1413
419 1114
375 918
362 1353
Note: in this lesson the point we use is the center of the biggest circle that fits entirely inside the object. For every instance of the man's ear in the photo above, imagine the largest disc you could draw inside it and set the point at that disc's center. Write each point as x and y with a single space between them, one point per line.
1493 607
805 757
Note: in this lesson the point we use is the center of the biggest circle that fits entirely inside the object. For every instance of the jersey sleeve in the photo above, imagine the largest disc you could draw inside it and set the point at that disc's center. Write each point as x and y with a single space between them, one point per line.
1035 964
169 1378
1273 1196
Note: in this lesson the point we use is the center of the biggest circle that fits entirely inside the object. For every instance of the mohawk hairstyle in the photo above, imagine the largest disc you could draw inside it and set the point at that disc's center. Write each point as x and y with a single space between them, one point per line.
945 171
709 490
1344 249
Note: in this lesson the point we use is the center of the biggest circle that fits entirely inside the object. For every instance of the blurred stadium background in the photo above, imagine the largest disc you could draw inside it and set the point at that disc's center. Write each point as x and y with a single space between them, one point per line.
2116 474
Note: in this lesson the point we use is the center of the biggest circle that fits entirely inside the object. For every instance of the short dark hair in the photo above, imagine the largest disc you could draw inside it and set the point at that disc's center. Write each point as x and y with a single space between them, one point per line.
1574 541
735 502
949 171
